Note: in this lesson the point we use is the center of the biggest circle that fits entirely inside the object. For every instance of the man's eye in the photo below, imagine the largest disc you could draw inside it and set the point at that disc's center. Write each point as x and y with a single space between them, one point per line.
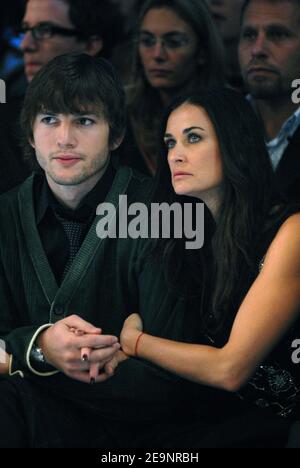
249 35
85 121
193 138
170 144
49 120
277 35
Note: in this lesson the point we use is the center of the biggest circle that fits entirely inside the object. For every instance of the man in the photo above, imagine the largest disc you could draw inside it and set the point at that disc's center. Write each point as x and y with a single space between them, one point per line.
52 28
65 292
55 27
269 52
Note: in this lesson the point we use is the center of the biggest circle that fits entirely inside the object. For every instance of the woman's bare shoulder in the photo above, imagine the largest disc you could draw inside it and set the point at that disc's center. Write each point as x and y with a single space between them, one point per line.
284 250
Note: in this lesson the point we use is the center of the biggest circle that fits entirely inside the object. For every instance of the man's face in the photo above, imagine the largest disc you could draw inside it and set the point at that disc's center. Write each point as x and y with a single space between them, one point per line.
39 52
71 149
269 49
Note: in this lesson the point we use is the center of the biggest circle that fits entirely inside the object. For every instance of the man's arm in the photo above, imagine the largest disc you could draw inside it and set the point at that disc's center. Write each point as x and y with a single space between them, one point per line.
62 348
267 312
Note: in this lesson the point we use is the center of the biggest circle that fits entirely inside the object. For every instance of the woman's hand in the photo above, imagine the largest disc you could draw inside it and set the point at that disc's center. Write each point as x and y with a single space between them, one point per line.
111 366
132 328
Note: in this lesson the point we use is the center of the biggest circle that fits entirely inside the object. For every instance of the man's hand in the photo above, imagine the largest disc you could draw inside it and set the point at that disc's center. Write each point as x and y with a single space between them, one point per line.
132 328
62 348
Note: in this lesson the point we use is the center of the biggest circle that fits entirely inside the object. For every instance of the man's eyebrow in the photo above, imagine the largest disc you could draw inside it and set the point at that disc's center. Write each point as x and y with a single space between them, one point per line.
87 112
76 114
46 112
266 26
40 23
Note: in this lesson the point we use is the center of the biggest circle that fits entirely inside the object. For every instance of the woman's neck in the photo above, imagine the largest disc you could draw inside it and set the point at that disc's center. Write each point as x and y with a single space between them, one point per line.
212 200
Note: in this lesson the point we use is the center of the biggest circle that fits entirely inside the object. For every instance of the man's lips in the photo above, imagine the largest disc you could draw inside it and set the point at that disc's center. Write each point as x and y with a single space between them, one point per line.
260 69
32 64
67 160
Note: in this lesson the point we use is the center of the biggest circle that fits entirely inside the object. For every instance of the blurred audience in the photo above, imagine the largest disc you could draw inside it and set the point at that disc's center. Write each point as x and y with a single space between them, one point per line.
177 49
55 27
227 16
269 54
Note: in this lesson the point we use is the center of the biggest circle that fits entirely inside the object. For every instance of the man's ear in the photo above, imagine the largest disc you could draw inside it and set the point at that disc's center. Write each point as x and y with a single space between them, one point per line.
94 45
117 143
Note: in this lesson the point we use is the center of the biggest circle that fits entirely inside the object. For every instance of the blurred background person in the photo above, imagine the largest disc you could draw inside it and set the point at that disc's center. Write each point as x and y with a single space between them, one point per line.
269 53
56 27
11 61
177 49
227 16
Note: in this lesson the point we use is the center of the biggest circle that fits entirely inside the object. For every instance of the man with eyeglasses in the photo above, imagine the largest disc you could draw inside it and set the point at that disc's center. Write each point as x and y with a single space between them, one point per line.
49 30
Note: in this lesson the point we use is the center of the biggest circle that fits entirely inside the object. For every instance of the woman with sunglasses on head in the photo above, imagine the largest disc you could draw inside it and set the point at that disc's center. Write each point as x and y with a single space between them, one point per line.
247 274
178 49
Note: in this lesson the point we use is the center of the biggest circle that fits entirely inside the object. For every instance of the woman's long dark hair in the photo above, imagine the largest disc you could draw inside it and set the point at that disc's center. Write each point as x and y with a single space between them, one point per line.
248 194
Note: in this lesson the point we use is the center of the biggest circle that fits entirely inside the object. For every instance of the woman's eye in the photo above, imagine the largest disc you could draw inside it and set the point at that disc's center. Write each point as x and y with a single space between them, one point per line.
193 138
170 144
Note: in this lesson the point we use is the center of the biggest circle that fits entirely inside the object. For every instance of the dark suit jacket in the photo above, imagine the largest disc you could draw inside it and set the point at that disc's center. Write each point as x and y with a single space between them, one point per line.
288 171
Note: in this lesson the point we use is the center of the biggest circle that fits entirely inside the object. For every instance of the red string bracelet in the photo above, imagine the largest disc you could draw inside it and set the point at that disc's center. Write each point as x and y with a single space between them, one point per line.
137 342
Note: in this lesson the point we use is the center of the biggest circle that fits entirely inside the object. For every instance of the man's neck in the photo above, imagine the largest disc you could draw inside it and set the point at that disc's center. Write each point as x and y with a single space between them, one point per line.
274 113
70 196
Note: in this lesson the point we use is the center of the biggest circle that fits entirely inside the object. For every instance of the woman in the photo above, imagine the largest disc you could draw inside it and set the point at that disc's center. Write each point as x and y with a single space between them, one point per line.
177 50
250 274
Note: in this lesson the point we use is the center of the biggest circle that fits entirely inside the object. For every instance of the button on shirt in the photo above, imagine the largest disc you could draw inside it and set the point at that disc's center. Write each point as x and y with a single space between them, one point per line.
62 230
278 145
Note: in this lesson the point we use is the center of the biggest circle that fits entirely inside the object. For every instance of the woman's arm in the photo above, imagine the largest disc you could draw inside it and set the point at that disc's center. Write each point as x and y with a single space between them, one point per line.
268 310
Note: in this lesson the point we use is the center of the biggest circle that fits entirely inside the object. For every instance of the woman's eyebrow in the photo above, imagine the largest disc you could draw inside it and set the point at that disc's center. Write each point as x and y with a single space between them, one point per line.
187 130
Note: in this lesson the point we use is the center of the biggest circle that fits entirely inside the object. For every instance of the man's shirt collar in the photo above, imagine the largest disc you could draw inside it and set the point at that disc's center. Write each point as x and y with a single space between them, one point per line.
45 199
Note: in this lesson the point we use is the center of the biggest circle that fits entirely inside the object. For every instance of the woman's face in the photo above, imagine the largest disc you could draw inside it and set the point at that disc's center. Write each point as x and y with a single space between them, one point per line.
193 153
168 49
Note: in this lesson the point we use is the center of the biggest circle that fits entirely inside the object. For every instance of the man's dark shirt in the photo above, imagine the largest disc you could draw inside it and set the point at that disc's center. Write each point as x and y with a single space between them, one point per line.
49 213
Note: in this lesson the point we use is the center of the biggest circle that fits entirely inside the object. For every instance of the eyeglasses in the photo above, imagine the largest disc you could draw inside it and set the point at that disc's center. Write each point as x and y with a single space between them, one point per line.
47 30
171 42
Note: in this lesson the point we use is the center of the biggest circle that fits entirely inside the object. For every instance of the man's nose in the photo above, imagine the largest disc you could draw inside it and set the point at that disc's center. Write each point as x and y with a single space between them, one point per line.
65 135
259 46
28 42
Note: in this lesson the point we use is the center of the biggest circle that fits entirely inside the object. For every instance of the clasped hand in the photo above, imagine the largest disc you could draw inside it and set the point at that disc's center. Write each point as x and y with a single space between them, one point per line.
80 350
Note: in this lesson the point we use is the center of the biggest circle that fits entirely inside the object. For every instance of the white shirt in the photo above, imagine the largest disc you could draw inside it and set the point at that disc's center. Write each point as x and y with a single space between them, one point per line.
278 145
